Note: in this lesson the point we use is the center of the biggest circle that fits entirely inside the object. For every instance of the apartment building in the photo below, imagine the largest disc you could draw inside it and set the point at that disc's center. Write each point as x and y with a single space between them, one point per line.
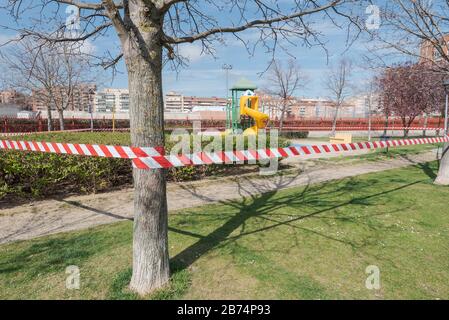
176 102
82 97
109 100
13 97
428 53
312 107
354 107
270 105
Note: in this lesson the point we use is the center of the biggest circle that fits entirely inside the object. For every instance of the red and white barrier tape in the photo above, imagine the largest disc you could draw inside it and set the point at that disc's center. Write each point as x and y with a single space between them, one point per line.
359 128
154 158
16 134
206 158
83 149
286 128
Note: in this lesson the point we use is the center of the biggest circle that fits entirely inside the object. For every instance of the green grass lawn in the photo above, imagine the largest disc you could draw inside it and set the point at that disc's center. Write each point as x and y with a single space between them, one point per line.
310 242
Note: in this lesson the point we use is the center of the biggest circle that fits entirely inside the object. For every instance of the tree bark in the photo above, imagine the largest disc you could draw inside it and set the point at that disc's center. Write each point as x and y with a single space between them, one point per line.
334 122
49 119
281 120
404 124
425 126
369 119
443 172
405 133
61 119
150 238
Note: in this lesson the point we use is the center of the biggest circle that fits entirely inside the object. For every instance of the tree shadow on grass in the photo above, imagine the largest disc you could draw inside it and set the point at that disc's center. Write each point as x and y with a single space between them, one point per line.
426 167
311 202
320 202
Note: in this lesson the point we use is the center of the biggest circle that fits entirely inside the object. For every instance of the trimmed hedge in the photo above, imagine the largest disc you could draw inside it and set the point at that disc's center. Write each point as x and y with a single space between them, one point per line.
295 134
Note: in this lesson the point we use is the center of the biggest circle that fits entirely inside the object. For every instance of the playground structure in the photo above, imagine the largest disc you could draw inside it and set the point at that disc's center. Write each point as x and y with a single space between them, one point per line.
242 114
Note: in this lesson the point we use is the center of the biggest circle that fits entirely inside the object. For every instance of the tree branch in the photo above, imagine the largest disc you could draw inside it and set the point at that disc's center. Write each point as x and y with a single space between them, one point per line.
251 24
89 5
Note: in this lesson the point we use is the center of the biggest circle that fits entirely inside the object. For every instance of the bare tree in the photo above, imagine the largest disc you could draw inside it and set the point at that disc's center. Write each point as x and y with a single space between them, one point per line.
417 29
337 83
147 29
52 71
370 101
283 83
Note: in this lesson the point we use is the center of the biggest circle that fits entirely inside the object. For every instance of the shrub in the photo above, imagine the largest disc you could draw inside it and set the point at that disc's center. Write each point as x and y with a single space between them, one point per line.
295 134
37 174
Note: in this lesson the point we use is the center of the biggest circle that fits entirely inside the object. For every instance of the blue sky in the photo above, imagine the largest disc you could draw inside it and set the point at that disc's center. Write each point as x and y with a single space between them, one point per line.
204 76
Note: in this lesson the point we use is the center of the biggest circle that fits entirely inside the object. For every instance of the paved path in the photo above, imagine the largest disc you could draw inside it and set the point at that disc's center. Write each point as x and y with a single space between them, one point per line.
79 212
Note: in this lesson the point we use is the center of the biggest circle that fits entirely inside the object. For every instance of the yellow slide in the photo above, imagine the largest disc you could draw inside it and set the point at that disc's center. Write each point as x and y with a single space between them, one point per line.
249 105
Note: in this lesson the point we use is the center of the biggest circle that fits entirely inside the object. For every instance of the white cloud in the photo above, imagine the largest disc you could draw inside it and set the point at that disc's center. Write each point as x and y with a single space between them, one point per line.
5 39
192 52
87 47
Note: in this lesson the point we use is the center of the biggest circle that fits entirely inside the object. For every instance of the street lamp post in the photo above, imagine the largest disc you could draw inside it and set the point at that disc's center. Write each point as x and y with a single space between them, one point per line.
227 68
91 111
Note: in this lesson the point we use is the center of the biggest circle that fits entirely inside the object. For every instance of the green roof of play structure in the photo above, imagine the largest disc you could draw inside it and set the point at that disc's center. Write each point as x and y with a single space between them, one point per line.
244 84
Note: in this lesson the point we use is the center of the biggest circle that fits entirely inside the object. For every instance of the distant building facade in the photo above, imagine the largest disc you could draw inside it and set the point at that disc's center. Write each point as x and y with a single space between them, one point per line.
428 52
270 105
176 102
307 108
109 100
354 107
83 96
13 97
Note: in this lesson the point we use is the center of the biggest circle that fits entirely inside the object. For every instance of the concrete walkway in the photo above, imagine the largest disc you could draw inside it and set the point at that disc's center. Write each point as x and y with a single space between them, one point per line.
80 212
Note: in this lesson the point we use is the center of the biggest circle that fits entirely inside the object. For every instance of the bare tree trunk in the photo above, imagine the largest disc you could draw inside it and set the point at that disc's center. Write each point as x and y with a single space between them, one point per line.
334 122
369 119
404 124
150 240
443 172
406 133
61 119
281 120
49 119
425 125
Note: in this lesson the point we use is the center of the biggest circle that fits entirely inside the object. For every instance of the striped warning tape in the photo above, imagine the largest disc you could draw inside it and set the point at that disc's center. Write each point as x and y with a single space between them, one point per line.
16 134
83 149
206 158
360 128
285 128
153 157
